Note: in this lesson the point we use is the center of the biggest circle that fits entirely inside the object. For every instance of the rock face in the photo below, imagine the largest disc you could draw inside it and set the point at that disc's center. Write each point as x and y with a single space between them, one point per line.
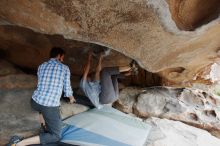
172 133
7 68
192 106
145 30
11 77
18 81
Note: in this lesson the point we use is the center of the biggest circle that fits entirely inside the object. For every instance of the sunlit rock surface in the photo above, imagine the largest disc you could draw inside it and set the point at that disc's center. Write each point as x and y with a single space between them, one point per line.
172 133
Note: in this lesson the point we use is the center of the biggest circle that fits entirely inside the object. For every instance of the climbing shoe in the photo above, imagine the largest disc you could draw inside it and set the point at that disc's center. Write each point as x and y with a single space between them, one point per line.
14 140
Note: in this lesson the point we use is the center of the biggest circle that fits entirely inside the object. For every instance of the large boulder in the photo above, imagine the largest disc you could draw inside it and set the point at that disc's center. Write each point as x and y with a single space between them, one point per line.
127 98
192 106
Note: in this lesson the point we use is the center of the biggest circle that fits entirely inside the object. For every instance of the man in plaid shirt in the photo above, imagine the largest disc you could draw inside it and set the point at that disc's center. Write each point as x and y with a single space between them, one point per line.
53 78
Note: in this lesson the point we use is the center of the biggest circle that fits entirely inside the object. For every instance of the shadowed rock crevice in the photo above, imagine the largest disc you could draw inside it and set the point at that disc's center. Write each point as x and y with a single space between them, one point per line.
193 116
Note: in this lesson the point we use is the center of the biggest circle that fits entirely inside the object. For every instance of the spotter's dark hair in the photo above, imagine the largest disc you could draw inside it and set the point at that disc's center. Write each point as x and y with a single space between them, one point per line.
55 51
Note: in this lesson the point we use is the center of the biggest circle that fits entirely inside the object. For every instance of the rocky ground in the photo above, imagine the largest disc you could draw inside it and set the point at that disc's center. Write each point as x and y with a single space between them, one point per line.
172 133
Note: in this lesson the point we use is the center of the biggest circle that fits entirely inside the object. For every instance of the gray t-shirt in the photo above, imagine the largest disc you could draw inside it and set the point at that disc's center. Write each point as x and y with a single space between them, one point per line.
92 89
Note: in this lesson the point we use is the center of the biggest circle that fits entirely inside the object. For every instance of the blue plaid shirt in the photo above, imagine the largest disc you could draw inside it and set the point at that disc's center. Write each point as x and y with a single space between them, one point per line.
53 78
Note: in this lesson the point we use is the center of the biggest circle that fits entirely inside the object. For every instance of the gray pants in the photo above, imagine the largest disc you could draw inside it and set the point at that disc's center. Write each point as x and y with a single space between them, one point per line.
52 120
109 85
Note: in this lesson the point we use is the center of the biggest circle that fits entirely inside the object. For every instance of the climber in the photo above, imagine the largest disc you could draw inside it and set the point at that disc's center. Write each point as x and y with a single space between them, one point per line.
53 77
102 87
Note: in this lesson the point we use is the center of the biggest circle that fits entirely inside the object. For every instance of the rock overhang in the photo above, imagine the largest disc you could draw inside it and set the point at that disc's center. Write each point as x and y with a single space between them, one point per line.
135 28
